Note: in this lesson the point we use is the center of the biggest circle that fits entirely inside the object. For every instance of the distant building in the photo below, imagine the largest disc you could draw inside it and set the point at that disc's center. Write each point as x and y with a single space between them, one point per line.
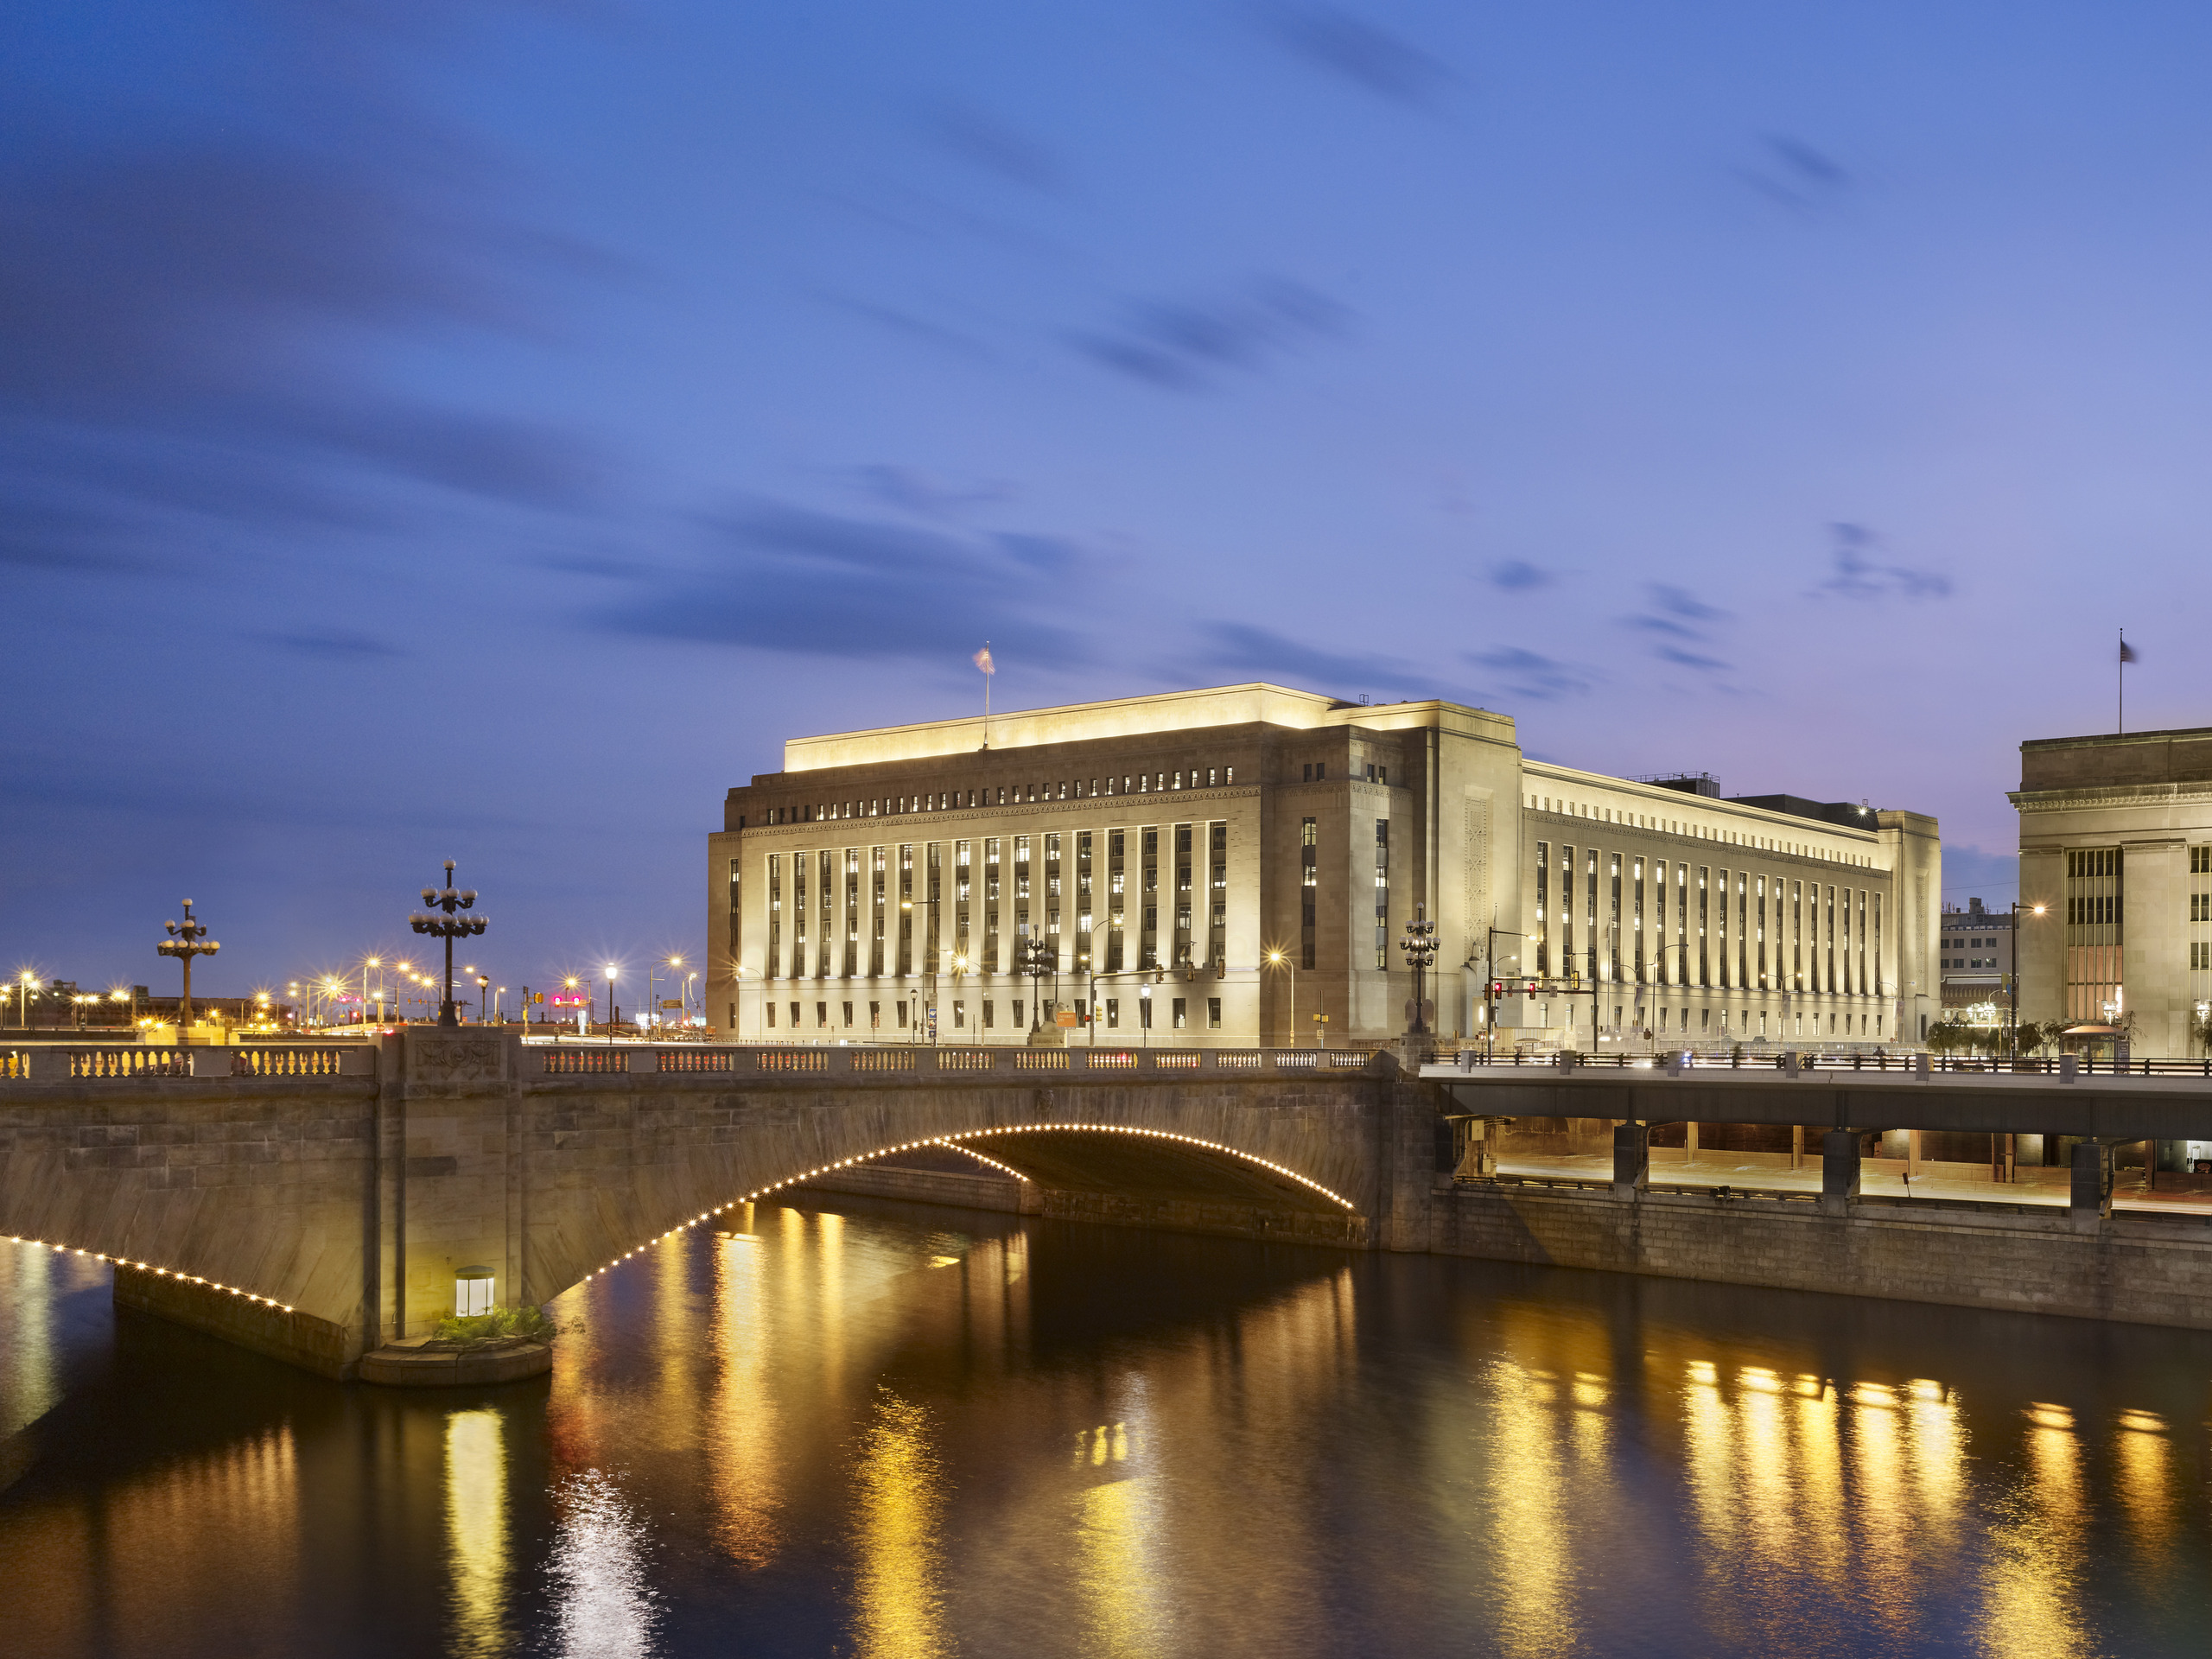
1974 948
2116 845
1262 850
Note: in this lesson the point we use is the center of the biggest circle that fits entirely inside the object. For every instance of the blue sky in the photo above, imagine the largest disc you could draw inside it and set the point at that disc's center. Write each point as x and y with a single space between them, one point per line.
485 432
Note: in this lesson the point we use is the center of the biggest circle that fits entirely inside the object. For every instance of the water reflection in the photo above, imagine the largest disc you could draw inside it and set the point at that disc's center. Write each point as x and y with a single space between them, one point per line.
902 1432
744 1424
604 1600
898 1501
476 1530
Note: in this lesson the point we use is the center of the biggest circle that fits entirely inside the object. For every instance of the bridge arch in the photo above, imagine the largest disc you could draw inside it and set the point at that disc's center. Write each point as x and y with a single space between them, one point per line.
1289 1188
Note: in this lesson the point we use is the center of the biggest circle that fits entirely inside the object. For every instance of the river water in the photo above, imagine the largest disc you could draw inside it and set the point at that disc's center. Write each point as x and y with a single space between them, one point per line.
890 1430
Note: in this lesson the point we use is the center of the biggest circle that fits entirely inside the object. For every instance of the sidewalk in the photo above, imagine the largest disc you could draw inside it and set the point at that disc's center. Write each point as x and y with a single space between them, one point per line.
1878 1177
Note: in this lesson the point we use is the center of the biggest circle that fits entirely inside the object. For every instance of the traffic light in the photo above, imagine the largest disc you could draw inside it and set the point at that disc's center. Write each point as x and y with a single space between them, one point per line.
1497 989
1220 968
1531 991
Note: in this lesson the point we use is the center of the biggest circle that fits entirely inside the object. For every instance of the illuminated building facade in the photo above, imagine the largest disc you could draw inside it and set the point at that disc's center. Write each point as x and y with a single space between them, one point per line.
2116 846
1260 850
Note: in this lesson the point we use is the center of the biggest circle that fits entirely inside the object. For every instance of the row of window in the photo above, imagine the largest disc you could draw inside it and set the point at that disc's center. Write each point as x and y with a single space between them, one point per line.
1698 831
1086 876
1779 932
1078 789
791 1016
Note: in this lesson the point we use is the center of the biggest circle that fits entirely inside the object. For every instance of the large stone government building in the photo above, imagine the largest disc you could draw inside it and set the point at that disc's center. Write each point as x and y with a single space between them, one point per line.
1232 863
2116 846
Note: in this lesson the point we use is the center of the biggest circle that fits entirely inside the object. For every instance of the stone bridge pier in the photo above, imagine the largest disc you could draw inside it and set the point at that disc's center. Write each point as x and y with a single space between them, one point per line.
314 1204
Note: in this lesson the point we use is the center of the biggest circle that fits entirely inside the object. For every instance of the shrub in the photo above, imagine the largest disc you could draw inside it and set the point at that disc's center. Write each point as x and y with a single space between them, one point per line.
499 1324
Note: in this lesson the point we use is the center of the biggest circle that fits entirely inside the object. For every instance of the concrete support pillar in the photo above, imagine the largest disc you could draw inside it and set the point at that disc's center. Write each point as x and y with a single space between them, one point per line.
1689 1143
1839 1171
1797 1146
1912 1151
1632 1159
2089 1198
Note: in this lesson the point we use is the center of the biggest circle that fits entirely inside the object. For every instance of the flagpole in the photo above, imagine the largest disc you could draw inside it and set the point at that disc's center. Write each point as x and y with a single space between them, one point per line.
987 696
2122 720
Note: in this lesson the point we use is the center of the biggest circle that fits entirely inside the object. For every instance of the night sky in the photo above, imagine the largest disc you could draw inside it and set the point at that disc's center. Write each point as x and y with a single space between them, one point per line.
487 432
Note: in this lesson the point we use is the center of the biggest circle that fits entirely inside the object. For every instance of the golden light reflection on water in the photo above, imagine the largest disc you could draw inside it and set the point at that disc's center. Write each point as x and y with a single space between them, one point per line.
1117 1525
2030 1592
476 1530
1527 1496
898 1596
745 1427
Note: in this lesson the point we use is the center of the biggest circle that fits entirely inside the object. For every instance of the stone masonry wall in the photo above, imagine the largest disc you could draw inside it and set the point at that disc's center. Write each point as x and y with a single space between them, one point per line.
2146 1271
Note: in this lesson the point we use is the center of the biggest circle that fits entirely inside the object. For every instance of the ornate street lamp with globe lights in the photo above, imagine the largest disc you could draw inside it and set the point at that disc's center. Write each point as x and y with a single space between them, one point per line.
1420 946
448 926
1037 959
187 938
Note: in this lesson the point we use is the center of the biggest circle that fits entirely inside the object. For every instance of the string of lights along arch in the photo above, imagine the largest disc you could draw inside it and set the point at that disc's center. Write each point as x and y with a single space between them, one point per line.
955 1141
148 1267
448 926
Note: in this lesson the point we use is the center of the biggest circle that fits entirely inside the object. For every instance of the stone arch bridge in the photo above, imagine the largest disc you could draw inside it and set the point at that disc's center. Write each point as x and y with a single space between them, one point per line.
314 1203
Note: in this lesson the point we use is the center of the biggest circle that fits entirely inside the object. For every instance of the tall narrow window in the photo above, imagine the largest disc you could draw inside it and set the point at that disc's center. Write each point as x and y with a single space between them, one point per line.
1117 897
1382 892
1185 859
1682 952
851 963
798 918
1083 899
1217 899
1613 918
1543 918
1743 929
736 909
1704 914
1309 850
1641 976
1148 898
1569 963
825 935
774 966
1796 936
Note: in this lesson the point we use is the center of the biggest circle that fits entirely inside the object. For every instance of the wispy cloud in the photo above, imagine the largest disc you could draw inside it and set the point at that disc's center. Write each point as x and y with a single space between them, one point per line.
1519 576
1681 620
1529 676
341 644
993 148
1240 649
1359 53
909 489
1857 573
780 577
1791 174
1188 344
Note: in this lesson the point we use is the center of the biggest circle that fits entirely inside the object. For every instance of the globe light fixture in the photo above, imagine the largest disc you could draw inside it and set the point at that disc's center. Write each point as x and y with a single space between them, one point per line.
188 939
443 921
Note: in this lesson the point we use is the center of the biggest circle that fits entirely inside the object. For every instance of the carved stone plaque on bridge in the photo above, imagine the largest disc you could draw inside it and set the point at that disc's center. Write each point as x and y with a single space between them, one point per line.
441 1059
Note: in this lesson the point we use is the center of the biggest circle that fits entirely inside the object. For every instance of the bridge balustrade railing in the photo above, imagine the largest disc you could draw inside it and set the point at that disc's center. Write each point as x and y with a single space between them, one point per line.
640 1060
289 1061
1803 1061
150 1061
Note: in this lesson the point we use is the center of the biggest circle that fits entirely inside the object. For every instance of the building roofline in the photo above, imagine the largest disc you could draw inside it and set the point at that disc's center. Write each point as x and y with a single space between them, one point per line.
1156 714
1660 795
2109 739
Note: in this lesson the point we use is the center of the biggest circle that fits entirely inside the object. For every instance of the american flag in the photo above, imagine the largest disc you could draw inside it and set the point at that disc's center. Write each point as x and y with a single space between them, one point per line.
983 660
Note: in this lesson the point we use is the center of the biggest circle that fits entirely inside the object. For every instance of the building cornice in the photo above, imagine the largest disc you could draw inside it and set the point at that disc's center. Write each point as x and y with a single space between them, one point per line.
2062 800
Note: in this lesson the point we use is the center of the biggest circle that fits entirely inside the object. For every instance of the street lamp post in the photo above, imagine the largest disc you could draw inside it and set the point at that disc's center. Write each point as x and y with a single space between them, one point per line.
1282 959
1420 946
1492 976
483 985
188 939
1037 961
23 998
448 926
930 905
2012 1042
